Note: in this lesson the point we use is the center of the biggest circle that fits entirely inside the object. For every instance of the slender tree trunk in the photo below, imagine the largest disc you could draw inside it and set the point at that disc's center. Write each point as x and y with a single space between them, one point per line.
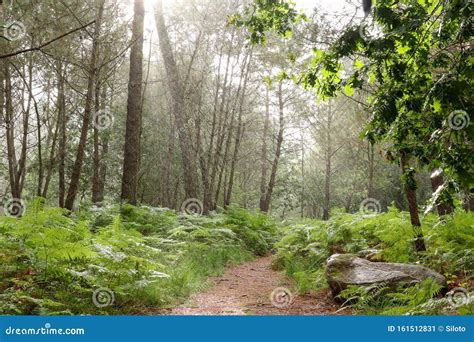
327 177
279 142
263 152
238 134
61 105
38 130
21 172
52 157
10 134
104 153
217 164
77 168
131 160
205 160
234 110
370 171
96 152
302 199
167 184
178 104
413 208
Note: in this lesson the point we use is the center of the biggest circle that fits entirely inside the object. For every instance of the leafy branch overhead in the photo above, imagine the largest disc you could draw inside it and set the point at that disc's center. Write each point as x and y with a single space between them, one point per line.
264 15
414 61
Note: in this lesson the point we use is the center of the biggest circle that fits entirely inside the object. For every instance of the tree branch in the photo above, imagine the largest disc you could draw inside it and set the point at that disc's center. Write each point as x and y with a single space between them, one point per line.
38 48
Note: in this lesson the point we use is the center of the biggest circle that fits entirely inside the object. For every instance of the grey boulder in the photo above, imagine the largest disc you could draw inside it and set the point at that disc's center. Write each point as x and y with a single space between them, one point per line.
343 270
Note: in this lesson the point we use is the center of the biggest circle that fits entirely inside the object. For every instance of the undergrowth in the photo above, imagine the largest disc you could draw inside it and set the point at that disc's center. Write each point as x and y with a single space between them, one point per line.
304 248
137 259
143 260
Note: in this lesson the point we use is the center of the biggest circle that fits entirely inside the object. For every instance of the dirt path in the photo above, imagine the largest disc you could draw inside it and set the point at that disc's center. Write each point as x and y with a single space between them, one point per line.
247 290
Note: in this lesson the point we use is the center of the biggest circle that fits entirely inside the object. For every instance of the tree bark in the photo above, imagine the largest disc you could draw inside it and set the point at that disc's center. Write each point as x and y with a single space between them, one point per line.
328 170
279 142
413 208
14 170
52 156
263 152
178 104
131 159
238 134
61 105
205 161
370 171
77 168
96 152
105 150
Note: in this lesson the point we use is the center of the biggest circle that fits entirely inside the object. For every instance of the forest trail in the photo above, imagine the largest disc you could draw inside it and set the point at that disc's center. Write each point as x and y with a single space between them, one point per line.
246 290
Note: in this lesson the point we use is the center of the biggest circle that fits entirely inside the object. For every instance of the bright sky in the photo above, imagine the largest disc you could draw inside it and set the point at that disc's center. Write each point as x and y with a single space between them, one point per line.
331 7
327 4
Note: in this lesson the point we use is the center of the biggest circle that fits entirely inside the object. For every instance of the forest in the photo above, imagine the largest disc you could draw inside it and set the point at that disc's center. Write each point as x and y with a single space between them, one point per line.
236 157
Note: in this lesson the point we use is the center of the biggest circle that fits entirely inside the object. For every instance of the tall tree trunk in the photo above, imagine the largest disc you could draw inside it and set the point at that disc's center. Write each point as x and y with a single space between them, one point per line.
96 153
263 152
279 142
178 104
328 169
410 192
77 168
238 133
370 171
104 153
167 183
302 198
131 159
52 156
219 160
13 169
61 105
205 161
38 130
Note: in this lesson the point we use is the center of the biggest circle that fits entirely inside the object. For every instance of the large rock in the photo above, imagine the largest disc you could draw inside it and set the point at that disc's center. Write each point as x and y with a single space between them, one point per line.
343 270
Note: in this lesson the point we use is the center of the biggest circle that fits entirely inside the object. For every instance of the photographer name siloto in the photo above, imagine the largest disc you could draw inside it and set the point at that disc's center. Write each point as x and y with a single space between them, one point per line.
426 328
